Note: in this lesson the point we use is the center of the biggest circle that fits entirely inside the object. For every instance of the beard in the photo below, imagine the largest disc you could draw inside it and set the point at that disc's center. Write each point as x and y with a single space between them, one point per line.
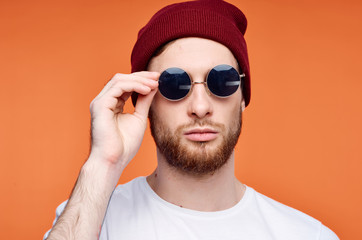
196 158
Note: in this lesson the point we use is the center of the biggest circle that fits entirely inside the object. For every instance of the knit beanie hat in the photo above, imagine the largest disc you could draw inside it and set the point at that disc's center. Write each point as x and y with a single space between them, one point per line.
211 19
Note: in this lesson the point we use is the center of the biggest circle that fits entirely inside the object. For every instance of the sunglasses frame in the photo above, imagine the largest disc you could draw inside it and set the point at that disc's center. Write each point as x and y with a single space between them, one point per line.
205 83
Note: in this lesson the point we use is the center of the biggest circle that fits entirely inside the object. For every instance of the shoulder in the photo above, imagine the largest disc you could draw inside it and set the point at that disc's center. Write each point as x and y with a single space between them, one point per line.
128 202
278 209
129 187
129 194
279 215
327 234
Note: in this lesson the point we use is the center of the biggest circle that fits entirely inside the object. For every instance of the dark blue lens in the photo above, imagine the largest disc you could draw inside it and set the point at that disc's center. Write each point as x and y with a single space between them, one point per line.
174 83
223 80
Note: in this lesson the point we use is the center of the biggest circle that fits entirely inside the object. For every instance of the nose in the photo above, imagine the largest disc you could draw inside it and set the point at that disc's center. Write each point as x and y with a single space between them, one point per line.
200 105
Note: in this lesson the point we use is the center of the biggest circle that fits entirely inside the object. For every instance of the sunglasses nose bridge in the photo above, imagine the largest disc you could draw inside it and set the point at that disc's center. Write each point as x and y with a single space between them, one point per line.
202 82
198 83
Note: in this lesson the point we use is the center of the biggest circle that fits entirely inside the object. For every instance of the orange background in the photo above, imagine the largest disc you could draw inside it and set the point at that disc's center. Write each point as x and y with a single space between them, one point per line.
301 139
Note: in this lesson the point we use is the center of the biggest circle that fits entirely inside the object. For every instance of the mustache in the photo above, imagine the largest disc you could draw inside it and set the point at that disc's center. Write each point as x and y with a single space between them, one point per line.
202 123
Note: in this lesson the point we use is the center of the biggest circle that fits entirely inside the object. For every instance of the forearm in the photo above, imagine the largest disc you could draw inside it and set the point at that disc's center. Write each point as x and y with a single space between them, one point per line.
116 138
84 213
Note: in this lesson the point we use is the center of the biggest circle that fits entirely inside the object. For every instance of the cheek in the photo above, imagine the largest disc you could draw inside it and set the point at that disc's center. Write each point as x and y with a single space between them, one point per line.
228 109
158 105
169 113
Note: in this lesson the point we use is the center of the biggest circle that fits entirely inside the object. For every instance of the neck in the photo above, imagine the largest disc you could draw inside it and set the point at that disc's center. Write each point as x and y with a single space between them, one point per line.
214 192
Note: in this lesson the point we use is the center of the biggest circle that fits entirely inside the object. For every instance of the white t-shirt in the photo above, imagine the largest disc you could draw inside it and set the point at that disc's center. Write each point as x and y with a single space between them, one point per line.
135 211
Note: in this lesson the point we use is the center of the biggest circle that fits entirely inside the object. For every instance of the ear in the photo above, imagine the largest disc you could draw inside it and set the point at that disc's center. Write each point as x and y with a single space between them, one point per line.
242 104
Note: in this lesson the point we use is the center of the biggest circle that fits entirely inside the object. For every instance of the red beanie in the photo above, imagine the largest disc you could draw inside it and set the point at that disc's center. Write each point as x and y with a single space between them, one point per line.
212 19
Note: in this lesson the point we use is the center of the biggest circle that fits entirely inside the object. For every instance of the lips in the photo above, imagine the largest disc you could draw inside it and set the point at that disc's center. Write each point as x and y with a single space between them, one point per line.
201 134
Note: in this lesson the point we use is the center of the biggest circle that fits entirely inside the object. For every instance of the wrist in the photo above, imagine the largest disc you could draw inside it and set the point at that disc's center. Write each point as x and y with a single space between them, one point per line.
102 174
108 158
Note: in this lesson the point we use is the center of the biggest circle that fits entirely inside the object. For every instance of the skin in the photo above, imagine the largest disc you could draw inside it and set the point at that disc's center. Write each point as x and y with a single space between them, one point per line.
211 192
117 136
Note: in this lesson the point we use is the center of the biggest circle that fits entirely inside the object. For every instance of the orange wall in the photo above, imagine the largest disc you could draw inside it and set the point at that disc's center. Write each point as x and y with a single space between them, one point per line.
301 140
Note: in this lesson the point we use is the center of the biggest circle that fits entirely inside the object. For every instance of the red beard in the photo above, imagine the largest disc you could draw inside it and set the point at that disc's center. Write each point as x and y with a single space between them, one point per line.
196 158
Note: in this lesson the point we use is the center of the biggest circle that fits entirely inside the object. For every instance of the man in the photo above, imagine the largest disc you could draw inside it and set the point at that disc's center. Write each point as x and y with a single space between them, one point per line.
194 90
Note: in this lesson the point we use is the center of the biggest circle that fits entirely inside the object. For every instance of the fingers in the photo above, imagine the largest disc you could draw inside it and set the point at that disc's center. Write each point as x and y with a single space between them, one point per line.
153 75
120 87
146 78
143 104
144 101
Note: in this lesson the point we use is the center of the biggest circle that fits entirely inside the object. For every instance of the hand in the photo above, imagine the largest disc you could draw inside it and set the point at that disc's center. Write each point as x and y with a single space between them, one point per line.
117 136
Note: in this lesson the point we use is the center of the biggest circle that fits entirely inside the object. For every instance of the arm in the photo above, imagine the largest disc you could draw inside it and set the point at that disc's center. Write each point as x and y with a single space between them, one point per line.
116 138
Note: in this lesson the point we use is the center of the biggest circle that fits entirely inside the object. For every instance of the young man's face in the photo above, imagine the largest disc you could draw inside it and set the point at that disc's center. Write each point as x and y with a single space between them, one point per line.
197 134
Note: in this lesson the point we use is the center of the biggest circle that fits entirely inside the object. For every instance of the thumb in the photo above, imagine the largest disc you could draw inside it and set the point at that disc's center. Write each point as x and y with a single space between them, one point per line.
143 103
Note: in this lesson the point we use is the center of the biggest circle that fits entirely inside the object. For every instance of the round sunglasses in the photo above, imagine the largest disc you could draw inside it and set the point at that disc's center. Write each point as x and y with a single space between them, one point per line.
222 81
